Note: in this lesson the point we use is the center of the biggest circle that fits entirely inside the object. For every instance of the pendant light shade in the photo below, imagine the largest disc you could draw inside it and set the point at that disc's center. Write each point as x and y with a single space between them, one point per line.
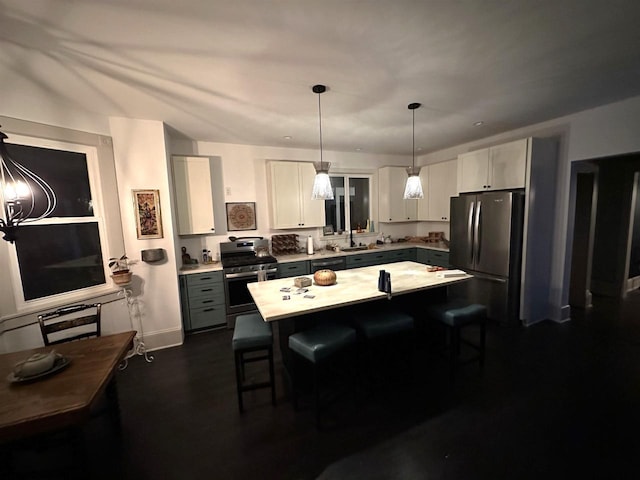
20 189
322 183
413 188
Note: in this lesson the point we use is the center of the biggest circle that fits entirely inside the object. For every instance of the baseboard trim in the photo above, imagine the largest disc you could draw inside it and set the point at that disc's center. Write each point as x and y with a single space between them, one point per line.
633 283
163 339
557 315
564 314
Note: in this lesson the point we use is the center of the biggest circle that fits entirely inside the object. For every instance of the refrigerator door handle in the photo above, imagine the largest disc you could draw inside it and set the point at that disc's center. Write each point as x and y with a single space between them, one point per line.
479 276
476 233
470 232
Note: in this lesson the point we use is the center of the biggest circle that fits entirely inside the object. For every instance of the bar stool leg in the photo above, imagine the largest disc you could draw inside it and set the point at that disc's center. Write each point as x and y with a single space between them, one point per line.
482 341
272 377
454 350
316 394
239 378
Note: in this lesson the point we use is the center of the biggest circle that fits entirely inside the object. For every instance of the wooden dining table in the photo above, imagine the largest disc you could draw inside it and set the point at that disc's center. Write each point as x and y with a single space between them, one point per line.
65 398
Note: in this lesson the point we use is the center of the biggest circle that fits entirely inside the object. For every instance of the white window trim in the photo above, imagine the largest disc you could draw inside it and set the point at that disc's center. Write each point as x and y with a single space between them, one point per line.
53 301
347 175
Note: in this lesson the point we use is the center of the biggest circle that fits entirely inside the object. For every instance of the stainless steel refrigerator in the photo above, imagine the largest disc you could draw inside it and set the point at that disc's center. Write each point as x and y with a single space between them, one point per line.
486 241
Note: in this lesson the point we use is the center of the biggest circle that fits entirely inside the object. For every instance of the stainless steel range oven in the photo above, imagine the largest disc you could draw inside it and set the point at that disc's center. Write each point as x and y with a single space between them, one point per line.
241 260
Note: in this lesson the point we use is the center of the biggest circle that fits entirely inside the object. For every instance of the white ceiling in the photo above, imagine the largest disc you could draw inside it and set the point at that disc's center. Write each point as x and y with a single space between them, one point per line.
241 71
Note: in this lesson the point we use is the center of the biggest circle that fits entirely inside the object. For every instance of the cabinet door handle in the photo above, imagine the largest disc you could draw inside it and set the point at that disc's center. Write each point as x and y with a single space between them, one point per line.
208 309
207 301
206 290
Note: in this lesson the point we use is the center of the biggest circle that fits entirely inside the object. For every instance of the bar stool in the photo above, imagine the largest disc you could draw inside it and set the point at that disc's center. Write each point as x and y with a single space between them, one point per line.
318 346
385 330
455 315
252 334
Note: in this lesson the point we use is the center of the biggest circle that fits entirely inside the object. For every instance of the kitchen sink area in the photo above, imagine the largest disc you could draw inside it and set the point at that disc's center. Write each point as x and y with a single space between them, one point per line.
355 249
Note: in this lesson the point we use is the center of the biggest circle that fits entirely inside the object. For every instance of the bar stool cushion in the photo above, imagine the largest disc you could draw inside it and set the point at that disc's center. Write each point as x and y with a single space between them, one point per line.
380 324
322 341
251 331
457 314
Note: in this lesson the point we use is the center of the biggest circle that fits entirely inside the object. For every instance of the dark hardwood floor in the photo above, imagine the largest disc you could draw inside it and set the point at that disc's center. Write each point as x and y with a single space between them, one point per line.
554 401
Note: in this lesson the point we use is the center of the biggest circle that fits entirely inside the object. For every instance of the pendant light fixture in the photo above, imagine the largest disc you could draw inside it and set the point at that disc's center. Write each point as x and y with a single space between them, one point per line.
321 184
413 188
19 188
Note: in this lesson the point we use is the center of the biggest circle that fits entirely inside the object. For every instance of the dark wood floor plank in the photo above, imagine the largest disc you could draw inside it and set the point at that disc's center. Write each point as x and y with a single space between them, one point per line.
554 401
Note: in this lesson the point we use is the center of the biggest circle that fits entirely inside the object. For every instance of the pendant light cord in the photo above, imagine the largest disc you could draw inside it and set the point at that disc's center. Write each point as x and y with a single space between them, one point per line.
412 107
413 142
320 121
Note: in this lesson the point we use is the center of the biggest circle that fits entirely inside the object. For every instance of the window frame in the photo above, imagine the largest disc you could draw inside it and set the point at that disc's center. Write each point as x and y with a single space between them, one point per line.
91 154
346 176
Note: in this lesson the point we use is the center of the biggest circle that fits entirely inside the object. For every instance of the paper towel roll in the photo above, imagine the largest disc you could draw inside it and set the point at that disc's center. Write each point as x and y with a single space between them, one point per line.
310 245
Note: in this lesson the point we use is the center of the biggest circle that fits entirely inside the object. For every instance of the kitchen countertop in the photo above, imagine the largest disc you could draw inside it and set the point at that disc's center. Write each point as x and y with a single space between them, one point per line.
324 253
357 285
209 267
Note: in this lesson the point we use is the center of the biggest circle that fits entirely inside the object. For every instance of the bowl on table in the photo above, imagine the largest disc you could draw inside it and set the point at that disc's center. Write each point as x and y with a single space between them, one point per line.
36 364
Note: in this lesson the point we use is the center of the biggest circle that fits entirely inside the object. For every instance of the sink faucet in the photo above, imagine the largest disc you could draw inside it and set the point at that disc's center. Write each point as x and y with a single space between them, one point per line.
351 243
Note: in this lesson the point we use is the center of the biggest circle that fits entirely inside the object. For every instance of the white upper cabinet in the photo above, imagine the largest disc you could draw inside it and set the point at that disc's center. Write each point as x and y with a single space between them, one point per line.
392 207
439 180
291 184
473 170
495 168
193 180
508 165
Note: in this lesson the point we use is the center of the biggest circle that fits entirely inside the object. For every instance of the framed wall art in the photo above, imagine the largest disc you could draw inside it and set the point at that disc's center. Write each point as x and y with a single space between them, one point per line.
241 216
146 205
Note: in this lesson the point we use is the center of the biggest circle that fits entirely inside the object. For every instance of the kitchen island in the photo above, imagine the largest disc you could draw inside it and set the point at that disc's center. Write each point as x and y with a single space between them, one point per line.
295 310
357 285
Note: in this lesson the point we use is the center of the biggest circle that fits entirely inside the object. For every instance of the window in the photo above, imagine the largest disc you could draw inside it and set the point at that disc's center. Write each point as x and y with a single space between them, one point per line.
59 255
352 210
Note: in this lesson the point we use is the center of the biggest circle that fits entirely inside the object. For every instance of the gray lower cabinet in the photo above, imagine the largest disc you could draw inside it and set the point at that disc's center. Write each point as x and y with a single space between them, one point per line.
403 255
366 259
441 259
432 257
380 258
293 269
422 256
202 299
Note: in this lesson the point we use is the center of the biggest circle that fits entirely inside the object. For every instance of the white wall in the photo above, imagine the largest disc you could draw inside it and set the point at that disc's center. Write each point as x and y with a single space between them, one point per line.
244 180
142 162
600 132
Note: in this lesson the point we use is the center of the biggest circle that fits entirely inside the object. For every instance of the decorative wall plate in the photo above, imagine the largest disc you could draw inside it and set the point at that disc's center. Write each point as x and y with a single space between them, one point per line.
241 216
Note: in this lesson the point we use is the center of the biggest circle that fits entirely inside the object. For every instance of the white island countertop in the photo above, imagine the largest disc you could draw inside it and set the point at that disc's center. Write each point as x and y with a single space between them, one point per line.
353 286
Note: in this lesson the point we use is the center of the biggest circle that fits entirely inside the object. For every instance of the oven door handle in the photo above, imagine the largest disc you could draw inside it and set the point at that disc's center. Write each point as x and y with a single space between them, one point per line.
249 274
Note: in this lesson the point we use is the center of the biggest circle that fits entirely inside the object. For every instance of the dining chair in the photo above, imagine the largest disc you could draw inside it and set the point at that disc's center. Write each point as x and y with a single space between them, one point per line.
66 447
76 322
70 323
